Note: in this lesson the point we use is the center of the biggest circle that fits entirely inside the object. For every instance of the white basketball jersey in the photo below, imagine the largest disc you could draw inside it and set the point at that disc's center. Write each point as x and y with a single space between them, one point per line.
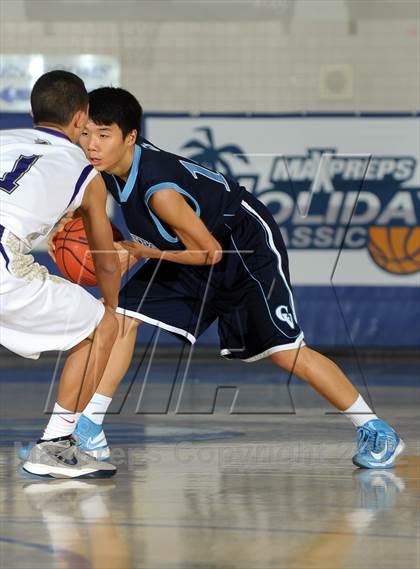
42 176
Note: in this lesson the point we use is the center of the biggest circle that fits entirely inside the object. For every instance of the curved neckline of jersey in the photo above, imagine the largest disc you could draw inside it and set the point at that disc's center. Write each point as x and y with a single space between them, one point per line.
53 132
132 177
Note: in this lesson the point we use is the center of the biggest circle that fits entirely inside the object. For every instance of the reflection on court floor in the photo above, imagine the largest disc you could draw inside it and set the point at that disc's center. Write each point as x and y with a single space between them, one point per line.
248 490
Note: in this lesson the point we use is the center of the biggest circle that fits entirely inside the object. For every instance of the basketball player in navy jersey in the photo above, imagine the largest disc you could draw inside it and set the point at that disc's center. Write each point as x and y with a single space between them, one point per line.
214 252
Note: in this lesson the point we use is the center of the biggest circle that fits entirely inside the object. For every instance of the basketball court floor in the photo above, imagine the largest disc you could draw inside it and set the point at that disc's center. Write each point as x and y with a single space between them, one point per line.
223 466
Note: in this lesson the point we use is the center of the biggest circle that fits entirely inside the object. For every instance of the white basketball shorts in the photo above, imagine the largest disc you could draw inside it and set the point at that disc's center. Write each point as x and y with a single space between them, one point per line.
38 311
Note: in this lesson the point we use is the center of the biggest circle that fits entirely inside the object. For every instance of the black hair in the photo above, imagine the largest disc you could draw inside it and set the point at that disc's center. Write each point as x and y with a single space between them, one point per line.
57 96
109 105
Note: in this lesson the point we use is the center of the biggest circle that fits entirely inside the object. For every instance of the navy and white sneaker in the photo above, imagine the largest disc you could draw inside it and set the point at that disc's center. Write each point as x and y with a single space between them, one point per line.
64 497
378 445
91 438
61 458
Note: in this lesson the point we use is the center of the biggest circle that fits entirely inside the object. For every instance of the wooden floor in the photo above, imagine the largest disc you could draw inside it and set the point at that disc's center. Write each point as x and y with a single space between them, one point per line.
250 489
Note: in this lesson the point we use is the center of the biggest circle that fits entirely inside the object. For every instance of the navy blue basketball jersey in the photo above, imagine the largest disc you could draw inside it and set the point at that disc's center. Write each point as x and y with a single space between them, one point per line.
213 197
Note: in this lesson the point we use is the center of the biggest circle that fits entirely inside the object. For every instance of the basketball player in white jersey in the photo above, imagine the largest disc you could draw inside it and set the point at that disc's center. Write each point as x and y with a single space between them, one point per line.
43 176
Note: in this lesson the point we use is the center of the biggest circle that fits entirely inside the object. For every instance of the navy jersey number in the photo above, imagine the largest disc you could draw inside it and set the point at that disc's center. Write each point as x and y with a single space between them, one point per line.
9 180
195 169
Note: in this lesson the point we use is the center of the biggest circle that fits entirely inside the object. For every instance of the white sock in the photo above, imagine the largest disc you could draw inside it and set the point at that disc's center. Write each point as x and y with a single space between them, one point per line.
97 407
359 413
360 519
61 424
94 508
63 529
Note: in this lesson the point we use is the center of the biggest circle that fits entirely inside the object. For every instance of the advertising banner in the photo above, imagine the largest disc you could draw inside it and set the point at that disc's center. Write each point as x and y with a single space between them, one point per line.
19 72
344 191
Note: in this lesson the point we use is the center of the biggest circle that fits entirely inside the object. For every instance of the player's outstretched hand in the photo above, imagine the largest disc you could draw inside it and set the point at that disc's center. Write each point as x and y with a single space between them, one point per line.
136 250
127 260
59 227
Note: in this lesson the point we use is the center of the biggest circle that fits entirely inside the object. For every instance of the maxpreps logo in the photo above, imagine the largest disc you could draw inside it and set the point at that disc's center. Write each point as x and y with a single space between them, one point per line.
326 200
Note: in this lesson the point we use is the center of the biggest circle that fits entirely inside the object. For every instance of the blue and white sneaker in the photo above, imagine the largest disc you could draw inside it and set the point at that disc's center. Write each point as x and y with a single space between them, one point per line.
24 450
378 489
378 445
91 438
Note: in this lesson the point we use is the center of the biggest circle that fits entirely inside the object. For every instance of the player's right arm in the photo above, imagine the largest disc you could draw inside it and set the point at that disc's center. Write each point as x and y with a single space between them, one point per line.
99 234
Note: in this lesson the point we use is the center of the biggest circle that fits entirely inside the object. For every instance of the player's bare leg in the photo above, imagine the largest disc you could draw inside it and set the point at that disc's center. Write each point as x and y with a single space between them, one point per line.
86 364
85 367
321 373
55 455
307 364
123 346
378 444
89 428
121 355
81 375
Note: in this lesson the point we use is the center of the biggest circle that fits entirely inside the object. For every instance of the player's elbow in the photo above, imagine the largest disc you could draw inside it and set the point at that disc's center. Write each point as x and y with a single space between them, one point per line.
108 267
110 270
214 256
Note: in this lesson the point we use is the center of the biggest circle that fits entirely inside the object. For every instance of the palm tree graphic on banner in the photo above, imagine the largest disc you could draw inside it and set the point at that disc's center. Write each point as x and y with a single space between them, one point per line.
210 156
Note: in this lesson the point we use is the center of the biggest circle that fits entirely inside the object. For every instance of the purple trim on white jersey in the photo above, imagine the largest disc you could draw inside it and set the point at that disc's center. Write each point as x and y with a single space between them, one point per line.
82 178
53 132
2 249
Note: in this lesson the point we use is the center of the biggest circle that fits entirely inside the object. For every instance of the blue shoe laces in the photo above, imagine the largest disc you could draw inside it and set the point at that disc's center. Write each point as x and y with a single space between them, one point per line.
371 440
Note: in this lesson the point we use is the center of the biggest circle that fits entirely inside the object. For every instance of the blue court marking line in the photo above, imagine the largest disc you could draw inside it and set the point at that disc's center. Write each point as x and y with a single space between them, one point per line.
129 439
245 529
123 434
46 548
19 376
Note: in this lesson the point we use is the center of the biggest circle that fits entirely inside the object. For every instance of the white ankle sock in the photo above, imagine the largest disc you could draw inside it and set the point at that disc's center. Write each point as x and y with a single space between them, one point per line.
360 519
97 407
94 508
61 424
359 413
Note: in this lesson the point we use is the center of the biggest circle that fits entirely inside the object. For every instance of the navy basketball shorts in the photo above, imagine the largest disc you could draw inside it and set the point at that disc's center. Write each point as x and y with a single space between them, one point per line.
248 291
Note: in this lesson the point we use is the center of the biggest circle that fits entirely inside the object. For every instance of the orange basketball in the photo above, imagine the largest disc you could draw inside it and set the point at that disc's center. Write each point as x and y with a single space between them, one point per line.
395 249
72 253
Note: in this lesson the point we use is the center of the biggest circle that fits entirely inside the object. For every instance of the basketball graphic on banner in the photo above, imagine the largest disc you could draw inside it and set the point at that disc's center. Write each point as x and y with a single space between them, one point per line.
395 249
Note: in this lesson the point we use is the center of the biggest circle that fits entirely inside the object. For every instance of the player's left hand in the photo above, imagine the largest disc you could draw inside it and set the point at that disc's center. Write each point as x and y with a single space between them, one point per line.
127 260
137 250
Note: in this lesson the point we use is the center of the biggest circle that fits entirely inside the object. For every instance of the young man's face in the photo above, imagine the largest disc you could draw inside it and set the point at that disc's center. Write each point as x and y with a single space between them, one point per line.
105 146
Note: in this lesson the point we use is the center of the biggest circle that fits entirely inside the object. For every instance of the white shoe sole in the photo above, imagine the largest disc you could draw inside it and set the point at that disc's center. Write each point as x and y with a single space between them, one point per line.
51 487
390 462
62 472
399 450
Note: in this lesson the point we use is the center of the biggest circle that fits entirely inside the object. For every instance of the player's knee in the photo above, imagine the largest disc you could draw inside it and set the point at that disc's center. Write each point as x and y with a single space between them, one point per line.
285 359
296 361
126 324
108 328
